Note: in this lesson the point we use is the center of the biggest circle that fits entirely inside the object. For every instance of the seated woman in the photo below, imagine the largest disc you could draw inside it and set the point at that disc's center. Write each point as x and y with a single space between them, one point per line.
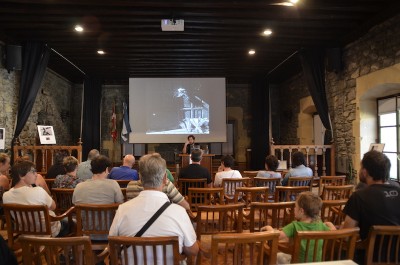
69 180
4 167
271 164
40 182
22 192
226 171
298 169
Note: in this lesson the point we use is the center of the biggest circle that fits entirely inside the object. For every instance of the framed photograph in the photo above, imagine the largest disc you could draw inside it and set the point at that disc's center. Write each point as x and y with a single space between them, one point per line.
376 147
46 134
2 137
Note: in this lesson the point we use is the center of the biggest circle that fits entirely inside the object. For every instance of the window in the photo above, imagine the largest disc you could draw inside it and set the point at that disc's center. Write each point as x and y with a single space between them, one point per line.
388 126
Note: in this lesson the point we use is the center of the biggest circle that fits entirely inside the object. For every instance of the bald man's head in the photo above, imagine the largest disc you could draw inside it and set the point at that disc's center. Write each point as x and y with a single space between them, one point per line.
129 161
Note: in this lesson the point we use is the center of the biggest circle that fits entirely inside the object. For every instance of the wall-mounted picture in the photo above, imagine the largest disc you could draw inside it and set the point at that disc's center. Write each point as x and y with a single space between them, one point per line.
376 147
46 134
2 138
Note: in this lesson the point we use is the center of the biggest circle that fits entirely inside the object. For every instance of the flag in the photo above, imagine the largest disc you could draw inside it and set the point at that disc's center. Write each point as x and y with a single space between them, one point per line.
114 132
126 127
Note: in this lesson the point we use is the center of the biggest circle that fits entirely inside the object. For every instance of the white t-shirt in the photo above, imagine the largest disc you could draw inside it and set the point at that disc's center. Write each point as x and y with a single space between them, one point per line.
27 195
268 174
225 174
134 214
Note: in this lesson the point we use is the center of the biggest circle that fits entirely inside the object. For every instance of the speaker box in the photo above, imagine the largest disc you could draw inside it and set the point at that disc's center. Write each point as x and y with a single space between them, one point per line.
334 60
13 57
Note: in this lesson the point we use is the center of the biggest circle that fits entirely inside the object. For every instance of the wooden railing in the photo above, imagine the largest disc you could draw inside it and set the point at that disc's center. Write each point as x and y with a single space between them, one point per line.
43 155
310 151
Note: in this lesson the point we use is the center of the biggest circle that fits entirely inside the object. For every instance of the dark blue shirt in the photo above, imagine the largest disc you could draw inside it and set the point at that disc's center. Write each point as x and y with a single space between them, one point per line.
123 173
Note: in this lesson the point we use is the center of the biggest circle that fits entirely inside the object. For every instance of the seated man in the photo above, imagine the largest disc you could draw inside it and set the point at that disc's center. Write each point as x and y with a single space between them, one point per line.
298 169
125 172
84 171
134 214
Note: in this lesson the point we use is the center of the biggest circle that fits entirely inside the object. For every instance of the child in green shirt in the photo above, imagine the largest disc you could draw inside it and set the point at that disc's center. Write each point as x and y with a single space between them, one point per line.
307 213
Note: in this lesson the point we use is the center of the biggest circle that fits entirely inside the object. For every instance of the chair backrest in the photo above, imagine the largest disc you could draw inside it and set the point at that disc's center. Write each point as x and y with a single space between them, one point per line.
123 183
275 214
331 181
271 183
230 185
332 211
244 248
300 181
313 246
94 219
337 192
185 184
123 190
288 193
49 183
77 249
251 175
63 199
205 196
248 195
383 245
144 250
212 219
27 220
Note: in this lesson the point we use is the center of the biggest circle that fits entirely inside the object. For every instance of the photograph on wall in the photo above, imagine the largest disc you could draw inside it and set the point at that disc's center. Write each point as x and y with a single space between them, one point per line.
46 134
376 147
2 138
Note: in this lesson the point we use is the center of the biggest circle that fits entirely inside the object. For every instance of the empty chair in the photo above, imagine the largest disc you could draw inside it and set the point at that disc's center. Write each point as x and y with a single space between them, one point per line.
71 250
275 214
185 184
331 180
288 193
312 246
63 199
301 181
230 185
204 196
337 192
251 175
244 248
332 211
248 195
271 183
144 250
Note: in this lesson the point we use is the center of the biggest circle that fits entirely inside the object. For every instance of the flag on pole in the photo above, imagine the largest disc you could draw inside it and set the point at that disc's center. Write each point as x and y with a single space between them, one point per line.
126 127
114 132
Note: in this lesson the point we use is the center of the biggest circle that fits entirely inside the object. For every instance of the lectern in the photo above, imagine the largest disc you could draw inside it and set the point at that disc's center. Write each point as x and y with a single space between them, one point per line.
206 161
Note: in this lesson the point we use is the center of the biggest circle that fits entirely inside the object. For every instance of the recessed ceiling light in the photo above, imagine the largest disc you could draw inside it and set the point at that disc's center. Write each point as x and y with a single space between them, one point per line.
294 1
78 28
252 52
100 52
267 32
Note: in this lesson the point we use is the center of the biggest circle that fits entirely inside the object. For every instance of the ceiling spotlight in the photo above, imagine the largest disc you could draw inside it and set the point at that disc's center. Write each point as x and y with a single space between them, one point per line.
267 32
101 52
294 1
78 28
252 52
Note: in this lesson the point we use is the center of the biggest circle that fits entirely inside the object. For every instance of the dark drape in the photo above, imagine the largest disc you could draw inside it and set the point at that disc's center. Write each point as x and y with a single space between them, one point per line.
313 63
91 116
35 58
260 123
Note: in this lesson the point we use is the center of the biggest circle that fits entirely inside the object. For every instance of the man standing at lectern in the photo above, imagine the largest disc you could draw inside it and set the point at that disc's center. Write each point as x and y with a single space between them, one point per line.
195 170
189 145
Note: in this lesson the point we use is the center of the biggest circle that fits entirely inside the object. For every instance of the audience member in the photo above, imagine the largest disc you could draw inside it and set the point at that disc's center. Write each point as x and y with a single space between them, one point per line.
24 176
169 176
84 169
134 214
298 169
57 168
98 189
195 170
307 213
68 180
189 145
225 170
125 172
4 167
271 165
378 203
40 182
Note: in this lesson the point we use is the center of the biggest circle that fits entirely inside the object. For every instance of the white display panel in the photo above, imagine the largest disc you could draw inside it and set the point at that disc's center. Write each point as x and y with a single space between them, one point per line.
166 110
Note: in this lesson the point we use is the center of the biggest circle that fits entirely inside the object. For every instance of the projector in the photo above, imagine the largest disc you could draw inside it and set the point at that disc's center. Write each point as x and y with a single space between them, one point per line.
172 24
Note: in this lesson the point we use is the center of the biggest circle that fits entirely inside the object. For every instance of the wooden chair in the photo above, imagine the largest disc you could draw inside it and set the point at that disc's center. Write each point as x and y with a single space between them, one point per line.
337 192
230 185
123 190
288 193
324 245
244 248
95 220
49 183
332 211
331 181
383 245
275 214
301 181
30 220
77 250
63 199
144 250
185 184
123 183
251 175
205 196
271 183
248 195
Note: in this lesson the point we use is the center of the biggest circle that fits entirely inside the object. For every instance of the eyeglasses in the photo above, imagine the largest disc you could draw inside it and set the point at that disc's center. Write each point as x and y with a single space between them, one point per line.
33 170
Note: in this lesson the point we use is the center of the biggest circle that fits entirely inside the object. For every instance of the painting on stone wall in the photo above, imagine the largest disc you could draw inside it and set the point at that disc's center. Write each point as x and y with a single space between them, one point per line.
376 147
2 138
46 134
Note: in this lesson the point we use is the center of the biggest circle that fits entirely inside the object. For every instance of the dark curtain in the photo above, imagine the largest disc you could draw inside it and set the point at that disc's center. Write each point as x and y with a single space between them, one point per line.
91 116
313 63
35 58
260 123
